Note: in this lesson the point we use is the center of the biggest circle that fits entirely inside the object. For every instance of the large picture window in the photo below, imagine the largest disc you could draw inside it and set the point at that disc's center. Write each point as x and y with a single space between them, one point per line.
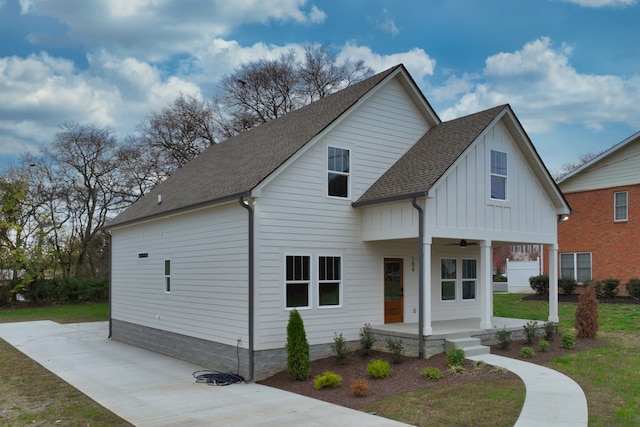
576 266
329 280
338 170
498 175
298 276
620 206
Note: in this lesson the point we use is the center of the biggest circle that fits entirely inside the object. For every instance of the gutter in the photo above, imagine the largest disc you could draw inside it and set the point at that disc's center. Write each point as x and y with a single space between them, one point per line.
249 207
420 278
378 201
110 283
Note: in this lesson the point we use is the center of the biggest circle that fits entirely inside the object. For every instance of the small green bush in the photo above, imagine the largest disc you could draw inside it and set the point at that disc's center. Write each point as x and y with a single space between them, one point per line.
328 379
610 287
633 288
367 339
504 338
530 331
568 285
297 348
431 373
478 366
544 345
339 348
540 284
455 357
550 329
568 340
457 370
527 352
397 350
379 368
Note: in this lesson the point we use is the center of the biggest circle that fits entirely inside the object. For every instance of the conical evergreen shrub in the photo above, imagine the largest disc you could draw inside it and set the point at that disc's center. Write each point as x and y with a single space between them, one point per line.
587 316
297 348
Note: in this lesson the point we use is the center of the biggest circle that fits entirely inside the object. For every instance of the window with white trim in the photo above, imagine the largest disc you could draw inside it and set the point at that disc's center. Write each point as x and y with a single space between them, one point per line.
338 170
620 206
297 281
448 271
576 266
329 280
167 276
469 279
498 175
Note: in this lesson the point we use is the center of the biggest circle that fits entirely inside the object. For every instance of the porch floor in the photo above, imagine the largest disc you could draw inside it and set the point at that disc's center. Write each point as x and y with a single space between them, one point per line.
450 328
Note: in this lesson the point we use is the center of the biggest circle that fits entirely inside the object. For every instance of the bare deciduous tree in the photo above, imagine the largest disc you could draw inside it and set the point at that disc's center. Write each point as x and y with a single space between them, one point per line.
263 90
176 134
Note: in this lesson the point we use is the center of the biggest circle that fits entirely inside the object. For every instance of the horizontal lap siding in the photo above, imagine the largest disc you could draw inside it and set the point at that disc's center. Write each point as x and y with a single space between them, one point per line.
295 217
208 253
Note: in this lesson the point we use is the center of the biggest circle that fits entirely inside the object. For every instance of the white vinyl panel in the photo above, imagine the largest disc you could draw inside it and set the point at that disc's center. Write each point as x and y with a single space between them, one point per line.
208 253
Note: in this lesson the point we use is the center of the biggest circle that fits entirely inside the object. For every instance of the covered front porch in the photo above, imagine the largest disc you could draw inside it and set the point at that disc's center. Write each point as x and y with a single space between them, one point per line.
447 330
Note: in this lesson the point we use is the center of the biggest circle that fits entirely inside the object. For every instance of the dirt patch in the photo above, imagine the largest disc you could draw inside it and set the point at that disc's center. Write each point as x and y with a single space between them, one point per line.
406 375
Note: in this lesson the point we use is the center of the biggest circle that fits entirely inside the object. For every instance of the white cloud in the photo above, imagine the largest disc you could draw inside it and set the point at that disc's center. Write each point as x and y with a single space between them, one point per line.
388 25
602 3
157 29
547 91
417 61
40 92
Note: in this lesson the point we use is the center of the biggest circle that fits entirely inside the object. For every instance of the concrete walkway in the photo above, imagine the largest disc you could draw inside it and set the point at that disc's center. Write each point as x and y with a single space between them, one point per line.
149 389
552 398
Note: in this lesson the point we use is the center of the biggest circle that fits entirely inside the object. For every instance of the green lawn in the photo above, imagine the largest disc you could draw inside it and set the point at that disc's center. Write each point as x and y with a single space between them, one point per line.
73 313
609 374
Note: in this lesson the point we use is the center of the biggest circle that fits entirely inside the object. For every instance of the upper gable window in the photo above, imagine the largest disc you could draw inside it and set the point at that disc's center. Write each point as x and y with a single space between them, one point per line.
498 175
338 169
620 206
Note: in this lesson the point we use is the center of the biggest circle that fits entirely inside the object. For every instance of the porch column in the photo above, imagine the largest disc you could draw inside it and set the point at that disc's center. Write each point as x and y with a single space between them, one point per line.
426 294
553 283
486 285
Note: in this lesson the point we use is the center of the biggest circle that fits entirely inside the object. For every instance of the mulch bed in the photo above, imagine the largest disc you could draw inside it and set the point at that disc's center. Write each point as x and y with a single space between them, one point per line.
406 375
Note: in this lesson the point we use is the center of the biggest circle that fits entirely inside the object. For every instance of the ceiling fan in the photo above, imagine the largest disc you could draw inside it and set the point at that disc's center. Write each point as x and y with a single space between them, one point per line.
463 244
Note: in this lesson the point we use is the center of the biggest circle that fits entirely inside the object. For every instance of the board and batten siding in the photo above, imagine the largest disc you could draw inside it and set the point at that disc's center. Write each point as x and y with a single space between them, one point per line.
294 216
208 253
460 207
618 169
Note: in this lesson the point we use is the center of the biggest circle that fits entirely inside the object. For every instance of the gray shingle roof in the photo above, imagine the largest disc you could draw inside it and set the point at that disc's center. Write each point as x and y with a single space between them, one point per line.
236 166
424 163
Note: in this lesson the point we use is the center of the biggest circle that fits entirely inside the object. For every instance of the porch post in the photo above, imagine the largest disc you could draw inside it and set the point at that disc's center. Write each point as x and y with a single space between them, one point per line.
553 283
486 285
426 280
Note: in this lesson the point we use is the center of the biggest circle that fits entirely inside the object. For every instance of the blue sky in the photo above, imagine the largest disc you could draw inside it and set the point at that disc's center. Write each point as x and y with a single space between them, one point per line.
569 68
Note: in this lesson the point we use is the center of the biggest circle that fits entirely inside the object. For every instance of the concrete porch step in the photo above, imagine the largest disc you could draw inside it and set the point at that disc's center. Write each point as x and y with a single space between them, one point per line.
476 350
470 346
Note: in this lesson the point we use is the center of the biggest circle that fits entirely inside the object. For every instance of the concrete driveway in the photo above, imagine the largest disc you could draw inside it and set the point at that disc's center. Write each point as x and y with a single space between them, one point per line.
149 389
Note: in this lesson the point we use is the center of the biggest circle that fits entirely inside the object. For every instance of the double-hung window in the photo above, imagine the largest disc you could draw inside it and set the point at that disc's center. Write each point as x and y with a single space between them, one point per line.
469 279
298 280
448 271
620 206
576 266
498 175
338 170
329 280
454 282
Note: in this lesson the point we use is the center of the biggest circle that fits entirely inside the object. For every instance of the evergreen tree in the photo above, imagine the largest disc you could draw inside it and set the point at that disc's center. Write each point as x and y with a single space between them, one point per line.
297 348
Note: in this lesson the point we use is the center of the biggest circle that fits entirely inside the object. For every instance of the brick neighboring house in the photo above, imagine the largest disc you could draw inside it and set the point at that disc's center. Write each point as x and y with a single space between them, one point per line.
600 238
